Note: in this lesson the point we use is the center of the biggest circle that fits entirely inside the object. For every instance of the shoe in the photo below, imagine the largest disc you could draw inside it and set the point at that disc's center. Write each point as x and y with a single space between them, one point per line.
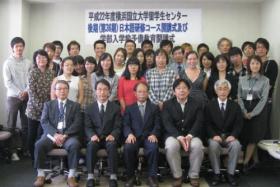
216 180
130 182
194 182
177 182
152 182
71 181
15 157
81 161
231 180
90 183
113 183
39 182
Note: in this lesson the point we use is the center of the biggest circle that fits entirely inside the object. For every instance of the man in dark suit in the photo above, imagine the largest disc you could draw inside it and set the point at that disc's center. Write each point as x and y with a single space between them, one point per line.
223 119
182 119
61 123
102 128
141 128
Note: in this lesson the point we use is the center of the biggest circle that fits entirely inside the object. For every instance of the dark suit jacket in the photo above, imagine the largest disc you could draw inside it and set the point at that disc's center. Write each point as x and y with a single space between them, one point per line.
50 117
231 125
111 123
177 123
134 124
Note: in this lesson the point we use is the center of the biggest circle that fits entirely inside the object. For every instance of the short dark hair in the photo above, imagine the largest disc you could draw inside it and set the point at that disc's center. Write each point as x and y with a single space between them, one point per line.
130 41
61 82
165 43
248 43
122 50
217 59
149 42
201 45
65 59
141 83
264 42
99 42
178 81
103 81
161 51
209 56
49 46
73 42
17 40
132 60
59 43
177 48
42 53
99 71
149 52
257 58
235 51
78 60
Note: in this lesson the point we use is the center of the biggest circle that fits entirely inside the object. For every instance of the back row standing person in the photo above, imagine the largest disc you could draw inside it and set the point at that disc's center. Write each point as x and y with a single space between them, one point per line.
15 73
160 79
105 70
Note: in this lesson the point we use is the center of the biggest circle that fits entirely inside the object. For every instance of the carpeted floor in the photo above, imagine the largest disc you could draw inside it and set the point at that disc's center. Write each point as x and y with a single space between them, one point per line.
21 174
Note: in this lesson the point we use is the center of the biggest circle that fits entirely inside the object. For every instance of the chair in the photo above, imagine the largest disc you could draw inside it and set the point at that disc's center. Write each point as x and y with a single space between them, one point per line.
4 138
54 171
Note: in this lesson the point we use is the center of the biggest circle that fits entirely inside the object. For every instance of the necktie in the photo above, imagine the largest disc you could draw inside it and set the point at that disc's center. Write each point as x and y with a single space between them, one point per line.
61 111
102 111
142 111
223 109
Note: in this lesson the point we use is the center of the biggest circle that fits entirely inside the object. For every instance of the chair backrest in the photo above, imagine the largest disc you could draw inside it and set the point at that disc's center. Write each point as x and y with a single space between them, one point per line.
4 135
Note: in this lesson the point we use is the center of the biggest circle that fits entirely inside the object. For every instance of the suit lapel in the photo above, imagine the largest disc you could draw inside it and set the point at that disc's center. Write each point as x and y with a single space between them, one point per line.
95 112
106 114
147 113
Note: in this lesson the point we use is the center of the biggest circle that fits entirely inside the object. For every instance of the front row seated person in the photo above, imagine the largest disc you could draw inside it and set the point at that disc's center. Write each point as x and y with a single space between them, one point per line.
223 120
141 129
61 123
102 128
182 118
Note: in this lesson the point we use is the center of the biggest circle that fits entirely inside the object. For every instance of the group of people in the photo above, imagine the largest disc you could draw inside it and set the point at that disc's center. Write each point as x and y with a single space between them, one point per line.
174 96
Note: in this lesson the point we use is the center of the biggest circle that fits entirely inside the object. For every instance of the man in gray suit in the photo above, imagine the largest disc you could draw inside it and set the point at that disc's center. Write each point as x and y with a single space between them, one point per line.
223 119
61 122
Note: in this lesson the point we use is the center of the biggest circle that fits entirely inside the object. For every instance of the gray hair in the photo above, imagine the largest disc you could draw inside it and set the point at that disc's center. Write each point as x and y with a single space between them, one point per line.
219 83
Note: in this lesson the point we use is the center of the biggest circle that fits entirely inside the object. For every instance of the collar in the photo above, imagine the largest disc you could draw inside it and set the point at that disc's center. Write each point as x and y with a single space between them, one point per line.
63 101
104 104
220 102
182 103
255 77
145 103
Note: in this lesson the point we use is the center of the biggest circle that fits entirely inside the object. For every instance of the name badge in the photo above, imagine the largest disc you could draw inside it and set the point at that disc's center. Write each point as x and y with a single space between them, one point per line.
60 125
249 97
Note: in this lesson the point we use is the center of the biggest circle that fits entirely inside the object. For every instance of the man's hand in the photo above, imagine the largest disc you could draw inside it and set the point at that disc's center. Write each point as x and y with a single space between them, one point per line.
110 138
217 139
23 95
183 142
248 115
188 139
160 105
130 139
95 138
230 139
59 139
152 138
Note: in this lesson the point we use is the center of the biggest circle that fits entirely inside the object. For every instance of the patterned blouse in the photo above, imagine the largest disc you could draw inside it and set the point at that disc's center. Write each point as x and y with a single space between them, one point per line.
39 88
88 93
160 84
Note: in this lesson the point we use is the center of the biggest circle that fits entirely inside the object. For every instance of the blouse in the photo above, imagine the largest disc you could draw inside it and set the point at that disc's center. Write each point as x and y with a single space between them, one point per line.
258 87
160 84
39 87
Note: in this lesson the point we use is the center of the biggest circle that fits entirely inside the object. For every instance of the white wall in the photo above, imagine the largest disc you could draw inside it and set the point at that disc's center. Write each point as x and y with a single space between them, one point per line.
270 24
238 21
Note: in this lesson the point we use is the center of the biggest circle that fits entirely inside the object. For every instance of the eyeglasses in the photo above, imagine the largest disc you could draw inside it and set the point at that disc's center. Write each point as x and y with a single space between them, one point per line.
59 89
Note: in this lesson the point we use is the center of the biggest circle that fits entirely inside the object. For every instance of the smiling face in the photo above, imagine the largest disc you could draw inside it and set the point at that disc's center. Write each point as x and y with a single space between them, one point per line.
119 58
102 92
41 61
18 50
261 51
181 92
89 67
255 66
206 62
106 64
221 65
224 46
99 50
161 61
222 92
142 93
192 60
68 67
74 50
61 91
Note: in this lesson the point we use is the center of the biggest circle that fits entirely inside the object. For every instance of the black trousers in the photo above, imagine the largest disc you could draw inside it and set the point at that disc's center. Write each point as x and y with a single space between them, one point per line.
150 152
34 133
112 150
44 145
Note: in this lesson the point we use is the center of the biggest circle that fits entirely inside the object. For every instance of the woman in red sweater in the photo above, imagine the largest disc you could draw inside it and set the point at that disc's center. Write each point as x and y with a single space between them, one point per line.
128 80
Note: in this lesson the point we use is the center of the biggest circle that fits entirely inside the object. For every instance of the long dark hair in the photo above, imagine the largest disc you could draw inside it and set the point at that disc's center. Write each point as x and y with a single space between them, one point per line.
126 73
143 66
217 59
99 71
